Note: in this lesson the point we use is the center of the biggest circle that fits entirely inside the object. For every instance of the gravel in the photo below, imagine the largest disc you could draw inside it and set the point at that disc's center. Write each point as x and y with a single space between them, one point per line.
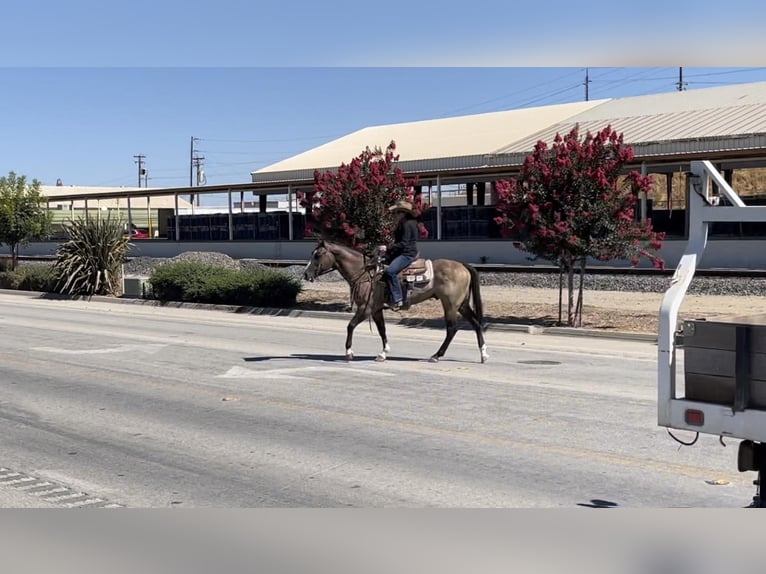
746 286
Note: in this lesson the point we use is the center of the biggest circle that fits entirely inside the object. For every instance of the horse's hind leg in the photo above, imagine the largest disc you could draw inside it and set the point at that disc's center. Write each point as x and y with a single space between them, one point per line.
451 317
380 323
470 316
355 320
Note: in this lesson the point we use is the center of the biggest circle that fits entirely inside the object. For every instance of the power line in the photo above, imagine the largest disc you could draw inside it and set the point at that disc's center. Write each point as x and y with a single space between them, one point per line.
725 72
504 96
547 96
268 140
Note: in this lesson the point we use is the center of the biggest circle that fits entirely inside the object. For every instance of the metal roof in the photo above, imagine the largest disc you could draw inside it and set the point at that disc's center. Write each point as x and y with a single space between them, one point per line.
112 197
457 137
719 120
712 114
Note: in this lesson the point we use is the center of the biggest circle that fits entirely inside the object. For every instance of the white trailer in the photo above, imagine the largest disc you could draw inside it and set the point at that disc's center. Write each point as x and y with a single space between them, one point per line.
724 385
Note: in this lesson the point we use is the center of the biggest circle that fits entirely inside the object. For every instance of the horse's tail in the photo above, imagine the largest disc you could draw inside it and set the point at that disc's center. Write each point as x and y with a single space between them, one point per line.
478 307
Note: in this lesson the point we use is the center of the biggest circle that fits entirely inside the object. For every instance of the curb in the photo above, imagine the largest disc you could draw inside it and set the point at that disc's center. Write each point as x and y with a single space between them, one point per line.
277 312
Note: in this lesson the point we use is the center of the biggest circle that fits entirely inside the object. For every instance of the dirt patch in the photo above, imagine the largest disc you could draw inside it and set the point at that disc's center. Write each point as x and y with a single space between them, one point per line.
603 310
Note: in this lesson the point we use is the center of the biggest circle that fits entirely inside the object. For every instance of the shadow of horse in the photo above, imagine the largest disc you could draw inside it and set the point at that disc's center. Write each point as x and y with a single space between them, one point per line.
545 321
326 358
598 503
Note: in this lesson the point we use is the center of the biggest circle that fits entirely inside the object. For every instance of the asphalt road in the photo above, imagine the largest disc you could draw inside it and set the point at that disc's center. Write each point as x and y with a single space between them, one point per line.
126 405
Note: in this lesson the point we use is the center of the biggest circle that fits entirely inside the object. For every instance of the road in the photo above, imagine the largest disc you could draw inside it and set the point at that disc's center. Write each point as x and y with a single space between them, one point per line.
137 406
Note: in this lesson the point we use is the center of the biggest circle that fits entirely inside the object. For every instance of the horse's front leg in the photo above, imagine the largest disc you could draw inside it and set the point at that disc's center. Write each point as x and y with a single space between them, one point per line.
380 323
450 316
355 320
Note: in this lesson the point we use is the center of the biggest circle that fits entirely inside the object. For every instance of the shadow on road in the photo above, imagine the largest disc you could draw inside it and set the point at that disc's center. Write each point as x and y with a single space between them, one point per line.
327 358
597 503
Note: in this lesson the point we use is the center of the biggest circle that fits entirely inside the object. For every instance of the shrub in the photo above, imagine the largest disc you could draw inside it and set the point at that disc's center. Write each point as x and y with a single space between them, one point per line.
38 278
10 279
204 283
30 278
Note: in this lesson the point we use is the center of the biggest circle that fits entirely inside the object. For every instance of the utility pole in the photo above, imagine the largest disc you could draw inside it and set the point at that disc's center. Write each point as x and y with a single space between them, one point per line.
197 161
191 162
587 82
681 85
141 169
191 171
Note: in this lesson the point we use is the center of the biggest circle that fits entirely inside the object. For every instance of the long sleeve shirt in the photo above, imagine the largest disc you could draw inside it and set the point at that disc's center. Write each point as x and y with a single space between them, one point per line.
405 239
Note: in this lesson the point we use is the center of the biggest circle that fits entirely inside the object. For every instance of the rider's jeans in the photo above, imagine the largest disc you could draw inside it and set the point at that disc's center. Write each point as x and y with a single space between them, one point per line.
399 263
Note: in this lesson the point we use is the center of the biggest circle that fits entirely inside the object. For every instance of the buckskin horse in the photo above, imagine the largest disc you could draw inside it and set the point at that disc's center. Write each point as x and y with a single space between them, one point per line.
454 284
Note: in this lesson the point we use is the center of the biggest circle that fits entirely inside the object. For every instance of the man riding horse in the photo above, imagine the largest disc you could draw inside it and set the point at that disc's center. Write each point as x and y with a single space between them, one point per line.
403 251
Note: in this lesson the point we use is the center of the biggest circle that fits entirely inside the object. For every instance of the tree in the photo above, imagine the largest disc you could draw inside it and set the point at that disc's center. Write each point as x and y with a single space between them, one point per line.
350 204
22 214
571 201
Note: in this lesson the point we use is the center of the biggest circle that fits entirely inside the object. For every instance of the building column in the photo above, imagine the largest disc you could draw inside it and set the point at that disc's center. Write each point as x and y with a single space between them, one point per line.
481 192
289 212
231 218
438 207
177 218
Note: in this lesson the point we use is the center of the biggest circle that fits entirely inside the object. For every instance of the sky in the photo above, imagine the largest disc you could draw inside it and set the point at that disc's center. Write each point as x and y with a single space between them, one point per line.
85 86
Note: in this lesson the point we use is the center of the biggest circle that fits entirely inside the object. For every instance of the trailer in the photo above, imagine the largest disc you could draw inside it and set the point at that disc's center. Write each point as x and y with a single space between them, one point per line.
723 391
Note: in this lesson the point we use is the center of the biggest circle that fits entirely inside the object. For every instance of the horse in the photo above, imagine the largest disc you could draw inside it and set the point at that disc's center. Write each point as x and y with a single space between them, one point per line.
453 283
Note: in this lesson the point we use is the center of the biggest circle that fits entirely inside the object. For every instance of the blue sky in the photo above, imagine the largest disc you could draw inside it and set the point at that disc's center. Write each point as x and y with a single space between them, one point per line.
86 85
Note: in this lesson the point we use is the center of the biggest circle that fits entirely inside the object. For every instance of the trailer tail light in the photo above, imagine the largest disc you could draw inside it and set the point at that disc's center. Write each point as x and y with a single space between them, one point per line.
694 417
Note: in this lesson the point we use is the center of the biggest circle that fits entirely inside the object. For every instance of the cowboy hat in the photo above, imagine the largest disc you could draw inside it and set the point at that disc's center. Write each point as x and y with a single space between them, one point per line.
401 205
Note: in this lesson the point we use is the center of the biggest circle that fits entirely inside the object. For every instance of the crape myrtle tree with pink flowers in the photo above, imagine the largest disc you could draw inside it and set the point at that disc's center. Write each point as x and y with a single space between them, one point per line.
573 200
350 204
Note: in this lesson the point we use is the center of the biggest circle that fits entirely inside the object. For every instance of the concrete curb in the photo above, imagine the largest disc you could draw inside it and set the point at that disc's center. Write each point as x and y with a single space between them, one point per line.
276 312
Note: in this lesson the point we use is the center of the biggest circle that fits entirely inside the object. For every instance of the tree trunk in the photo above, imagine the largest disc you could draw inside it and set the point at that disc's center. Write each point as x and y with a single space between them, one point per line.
570 289
561 289
578 311
14 255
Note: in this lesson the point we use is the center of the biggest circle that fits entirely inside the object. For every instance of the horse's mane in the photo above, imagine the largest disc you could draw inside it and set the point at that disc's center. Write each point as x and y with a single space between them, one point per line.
344 248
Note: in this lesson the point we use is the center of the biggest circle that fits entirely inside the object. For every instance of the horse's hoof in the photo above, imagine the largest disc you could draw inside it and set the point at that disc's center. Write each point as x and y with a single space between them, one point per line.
433 359
380 358
484 358
349 356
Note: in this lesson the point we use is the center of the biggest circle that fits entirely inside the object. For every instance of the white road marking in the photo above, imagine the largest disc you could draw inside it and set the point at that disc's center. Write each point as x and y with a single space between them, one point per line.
142 348
301 373
243 373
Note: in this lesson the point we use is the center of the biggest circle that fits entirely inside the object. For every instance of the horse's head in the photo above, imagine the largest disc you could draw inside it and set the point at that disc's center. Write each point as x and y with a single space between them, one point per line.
322 261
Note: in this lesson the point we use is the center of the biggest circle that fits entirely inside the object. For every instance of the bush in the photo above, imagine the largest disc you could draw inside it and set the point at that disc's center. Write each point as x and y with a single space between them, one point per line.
30 278
10 279
204 283
39 278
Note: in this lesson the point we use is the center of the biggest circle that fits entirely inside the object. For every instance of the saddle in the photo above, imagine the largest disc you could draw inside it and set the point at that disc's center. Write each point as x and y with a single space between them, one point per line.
418 271
415 278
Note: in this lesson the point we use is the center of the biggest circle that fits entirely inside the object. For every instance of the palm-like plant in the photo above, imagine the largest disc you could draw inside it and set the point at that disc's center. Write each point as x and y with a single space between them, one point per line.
90 261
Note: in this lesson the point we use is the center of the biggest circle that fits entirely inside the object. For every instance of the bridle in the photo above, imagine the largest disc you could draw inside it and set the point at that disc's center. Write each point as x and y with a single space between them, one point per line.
366 274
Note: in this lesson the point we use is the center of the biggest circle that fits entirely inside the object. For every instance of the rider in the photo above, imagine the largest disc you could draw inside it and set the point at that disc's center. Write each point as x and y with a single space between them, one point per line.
404 250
